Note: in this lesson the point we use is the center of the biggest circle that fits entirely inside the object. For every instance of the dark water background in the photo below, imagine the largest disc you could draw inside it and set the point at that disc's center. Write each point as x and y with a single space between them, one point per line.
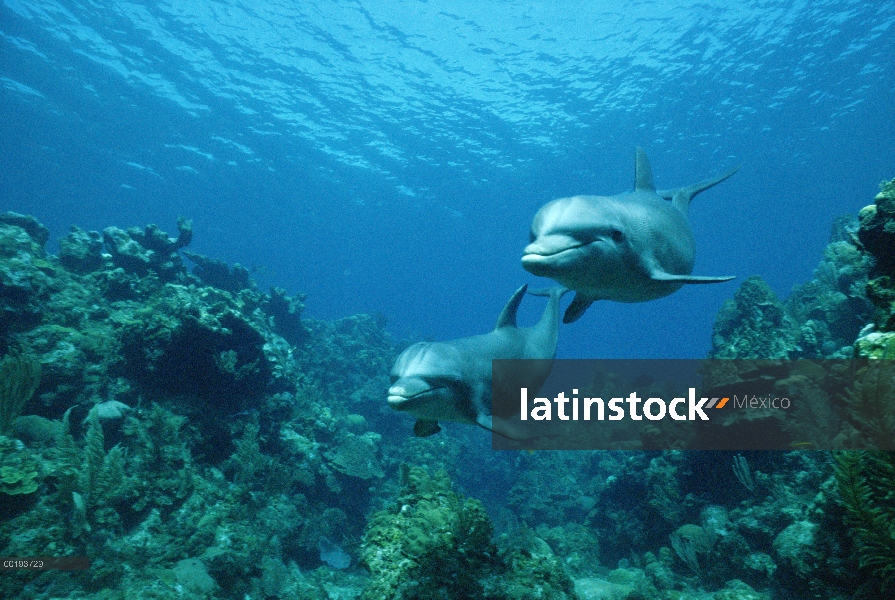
387 157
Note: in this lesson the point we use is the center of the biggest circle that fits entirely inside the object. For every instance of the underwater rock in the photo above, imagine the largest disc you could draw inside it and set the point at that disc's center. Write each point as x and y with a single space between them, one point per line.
877 230
875 344
738 590
877 235
431 540
35 230
126 252
820 319
753 324
333 555
19 468
435 544
25 274
193 577
620 583
355 456
110 410
110 415
797 549
823 317
529 571
216 273
206 349
139 251
152 484
81 251
833 307
34 429
345 355
286 313
139 315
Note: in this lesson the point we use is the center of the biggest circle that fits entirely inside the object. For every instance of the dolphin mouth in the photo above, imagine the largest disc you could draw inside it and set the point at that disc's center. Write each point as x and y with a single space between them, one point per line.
542 255
540 251
546 263
403 401
397 401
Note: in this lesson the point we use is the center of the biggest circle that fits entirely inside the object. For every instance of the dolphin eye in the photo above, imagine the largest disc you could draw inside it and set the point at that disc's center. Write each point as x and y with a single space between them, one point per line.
617 236
445 381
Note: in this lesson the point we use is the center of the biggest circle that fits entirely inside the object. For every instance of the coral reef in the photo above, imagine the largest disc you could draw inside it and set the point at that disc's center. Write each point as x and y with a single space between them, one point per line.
865 481
199 438
26 277
19 377
877 234
847 309
174 436
435 544
753 324
195 436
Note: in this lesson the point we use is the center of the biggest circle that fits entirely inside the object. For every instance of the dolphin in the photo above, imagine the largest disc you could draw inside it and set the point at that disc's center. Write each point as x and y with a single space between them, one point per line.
630 247
451 381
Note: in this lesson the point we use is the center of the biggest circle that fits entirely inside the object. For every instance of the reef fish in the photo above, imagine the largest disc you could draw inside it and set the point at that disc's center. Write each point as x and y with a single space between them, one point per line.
631 247
451 381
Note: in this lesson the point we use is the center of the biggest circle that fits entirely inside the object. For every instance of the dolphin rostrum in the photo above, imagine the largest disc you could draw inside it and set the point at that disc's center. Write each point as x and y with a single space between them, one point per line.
451 381
630 247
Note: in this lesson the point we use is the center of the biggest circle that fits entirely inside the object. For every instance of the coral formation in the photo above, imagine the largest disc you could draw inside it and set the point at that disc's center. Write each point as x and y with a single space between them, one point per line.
753 324
435 544
19 470
19 377
820 319
847 309
866 480
197 437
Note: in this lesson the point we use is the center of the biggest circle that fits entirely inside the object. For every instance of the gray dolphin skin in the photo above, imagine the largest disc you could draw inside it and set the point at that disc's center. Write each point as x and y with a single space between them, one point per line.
451 381
630 247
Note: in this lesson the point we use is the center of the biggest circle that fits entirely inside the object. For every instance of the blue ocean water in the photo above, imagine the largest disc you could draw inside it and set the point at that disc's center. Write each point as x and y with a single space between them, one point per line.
387 157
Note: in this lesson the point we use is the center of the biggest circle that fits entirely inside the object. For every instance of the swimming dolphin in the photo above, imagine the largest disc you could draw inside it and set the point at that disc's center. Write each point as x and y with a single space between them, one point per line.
451 381
630 247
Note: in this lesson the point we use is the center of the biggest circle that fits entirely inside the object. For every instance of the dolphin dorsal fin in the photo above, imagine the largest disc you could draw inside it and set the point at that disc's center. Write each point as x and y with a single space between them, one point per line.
643 174
681 197
507 316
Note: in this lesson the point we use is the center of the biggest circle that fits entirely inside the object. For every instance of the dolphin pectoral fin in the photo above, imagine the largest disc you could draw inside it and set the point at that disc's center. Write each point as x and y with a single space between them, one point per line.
577 308
425 428
660 276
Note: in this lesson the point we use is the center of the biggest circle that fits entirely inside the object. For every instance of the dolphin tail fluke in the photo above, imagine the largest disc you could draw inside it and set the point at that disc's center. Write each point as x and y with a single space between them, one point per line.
577 308
689 278
643 173
681 197
507 316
